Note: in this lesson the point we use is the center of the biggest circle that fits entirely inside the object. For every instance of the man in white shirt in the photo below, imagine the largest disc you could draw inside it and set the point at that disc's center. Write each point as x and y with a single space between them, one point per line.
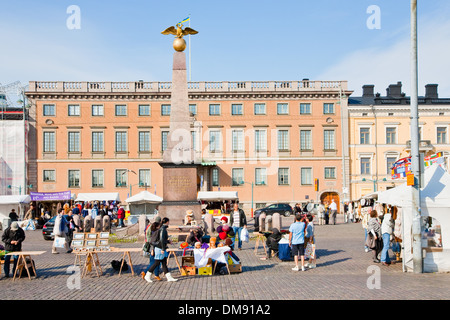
333 209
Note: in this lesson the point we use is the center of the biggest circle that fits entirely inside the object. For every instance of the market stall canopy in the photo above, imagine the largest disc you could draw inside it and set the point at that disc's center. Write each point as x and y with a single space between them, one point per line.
435 193
111 196
217 195
144 197
373 195
15 199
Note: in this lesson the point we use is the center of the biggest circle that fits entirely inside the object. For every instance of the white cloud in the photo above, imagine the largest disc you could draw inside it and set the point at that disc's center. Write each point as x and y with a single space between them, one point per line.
382 66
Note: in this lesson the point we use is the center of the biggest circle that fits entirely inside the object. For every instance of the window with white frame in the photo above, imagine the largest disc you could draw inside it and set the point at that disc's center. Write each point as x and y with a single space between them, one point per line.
144 141
390 163
74 141
97 178
305 108
97 141
164 139
328 108
260 176
283 176
49 141
237 109
214 109
391 135
214 141
283 140
329 140
193 109
121 141
165 109
441 135
237 176
49 175
260 140
144 110
121 177
215 177
259 108
305 140
73 110
330 172
144 177
97 110
237 140
49 110
121 110
282 108
365 165
74 178
306 176
364 135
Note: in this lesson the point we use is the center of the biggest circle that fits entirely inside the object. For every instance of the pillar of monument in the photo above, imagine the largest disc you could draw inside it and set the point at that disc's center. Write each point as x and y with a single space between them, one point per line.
179 170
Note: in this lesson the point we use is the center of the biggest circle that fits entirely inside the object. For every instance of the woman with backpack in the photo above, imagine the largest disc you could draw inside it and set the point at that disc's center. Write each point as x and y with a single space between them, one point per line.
151 235
161 253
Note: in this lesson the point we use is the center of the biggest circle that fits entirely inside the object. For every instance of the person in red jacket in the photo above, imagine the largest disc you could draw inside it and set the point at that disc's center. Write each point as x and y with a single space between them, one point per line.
120 215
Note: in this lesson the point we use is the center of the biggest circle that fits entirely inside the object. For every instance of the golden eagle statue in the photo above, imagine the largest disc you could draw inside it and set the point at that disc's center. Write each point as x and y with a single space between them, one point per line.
179 44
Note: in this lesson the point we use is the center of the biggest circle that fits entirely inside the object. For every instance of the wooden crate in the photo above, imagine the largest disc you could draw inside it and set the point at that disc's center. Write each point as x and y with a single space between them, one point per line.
188 271
235 268
205 271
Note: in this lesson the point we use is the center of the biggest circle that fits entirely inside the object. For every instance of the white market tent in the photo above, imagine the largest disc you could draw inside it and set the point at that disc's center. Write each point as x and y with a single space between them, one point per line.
143 203
435 203
212 196
108 196
17 202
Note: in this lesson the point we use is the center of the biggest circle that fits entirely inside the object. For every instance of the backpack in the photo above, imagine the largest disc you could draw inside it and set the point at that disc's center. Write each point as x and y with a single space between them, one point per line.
155 238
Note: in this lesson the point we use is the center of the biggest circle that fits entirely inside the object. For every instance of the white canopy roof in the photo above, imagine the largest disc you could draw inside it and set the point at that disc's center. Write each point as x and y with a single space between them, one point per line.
217 195
144 197
435 193
111 196
15 199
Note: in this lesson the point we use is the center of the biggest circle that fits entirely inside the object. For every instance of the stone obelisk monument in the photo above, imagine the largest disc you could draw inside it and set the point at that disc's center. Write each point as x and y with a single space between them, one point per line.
179 167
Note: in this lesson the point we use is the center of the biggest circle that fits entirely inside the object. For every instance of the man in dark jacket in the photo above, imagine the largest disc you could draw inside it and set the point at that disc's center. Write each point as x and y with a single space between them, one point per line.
238 220
13 238
13 215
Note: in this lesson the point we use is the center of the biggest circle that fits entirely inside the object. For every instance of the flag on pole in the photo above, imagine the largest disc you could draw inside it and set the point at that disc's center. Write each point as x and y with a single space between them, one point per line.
185 20
401 168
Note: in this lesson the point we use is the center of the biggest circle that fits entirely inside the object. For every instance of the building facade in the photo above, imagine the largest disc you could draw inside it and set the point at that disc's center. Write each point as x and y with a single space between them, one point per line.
268 140
380 134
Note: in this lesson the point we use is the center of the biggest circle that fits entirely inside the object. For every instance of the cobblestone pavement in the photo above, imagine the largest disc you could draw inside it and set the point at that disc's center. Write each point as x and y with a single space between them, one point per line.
342 273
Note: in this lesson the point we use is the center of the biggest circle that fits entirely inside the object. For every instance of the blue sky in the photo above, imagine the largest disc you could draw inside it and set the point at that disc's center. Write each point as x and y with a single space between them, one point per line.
237 41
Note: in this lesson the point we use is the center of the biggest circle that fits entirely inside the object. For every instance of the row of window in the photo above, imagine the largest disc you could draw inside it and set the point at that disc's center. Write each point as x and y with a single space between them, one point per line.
49 110
391 135
215 140
237 177
98 177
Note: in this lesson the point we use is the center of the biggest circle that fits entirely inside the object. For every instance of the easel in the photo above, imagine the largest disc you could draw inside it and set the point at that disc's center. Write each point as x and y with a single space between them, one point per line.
259 237
91 259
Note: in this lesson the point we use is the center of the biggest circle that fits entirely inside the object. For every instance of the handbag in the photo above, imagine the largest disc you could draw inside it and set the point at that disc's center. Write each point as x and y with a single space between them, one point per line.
59 242
370 241
146 247
310 250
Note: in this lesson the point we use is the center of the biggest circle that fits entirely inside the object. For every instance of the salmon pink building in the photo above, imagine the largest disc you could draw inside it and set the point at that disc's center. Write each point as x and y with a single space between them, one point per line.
271 141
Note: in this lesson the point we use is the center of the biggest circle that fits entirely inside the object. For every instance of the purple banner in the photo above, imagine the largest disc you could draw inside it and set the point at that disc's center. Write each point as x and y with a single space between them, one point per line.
49 196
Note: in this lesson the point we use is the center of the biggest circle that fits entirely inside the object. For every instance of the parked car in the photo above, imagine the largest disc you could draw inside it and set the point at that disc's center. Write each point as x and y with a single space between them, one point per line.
282 208
47 229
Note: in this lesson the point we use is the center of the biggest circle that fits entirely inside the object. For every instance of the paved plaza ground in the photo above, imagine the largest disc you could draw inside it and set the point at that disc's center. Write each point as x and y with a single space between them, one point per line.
343 270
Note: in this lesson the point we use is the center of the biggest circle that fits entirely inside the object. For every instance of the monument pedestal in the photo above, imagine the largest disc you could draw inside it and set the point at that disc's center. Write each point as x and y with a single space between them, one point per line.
180 192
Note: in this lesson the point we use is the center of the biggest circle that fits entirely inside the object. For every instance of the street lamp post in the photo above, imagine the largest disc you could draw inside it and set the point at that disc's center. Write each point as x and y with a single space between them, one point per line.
374 182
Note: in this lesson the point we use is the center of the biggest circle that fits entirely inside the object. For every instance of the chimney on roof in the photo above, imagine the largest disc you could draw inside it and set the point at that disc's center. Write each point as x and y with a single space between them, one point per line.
394 90
431 91
368 90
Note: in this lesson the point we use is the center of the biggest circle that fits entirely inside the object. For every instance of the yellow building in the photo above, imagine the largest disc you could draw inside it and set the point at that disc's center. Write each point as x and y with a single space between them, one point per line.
379 131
